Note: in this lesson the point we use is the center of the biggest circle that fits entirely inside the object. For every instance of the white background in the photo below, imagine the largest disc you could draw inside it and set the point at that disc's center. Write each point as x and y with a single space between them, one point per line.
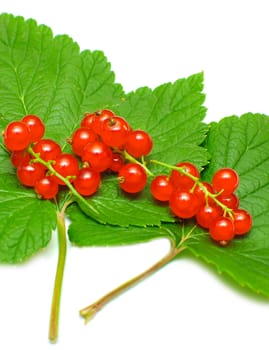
186 305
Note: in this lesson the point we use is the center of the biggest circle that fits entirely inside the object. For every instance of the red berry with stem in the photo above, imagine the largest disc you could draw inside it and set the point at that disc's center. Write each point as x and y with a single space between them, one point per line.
87 181
88 120
242 221
67 166
225 180
178 178
17 136
229 200
19 157
29 172
207 214
117 162
132 178
47 149
80 138
115 131
138 143
46 187
202 193
222 229
161 188
35 126
98 155
101 117
184 204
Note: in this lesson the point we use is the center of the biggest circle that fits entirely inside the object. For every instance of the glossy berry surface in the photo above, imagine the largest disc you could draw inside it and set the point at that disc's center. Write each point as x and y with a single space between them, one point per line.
115 131
47 149
100 118
225 180
181 180
242 221
88 120
80 138
46 187
207 214
87 181
229 200
222 229
35 126
19 157
161 188
138 143
98 155
28 173
117 162
200 192
132 178
184 204
67 166
16 136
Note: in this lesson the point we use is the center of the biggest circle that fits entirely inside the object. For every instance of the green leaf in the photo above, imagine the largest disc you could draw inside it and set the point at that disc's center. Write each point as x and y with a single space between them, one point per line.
243 144
172 114
84 231
25 223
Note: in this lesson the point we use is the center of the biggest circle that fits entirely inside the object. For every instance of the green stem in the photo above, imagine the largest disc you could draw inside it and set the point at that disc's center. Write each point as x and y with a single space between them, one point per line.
55 305
199 183
142 164
63 179
89 312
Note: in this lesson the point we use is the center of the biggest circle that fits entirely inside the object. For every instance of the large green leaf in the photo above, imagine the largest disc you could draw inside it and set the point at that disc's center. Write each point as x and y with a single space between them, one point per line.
243 144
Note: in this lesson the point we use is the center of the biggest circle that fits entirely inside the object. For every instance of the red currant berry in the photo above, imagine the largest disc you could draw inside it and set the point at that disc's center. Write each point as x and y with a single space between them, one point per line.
183 180
242 221
184 204
115 131
225 180
207 214
138 143
67 166
47 149
35 126
80 138
29 172
132 178
229 200
201 194
87 181
222 229
46 187
19 157
161 188
116 163
101 117
98 155
16 136
88 120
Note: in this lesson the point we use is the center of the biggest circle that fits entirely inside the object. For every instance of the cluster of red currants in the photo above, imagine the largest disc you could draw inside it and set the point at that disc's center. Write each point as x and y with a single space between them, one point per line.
99 145
215 206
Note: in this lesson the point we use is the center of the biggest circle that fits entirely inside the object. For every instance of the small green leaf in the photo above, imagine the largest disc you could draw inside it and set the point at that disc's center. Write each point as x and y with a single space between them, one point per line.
25 223
243 144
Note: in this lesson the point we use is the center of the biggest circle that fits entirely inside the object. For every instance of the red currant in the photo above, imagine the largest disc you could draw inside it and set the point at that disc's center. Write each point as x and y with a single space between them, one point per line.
132 178
207 214
242 221
101 117
29 172
46 187
184 204
161 188
229 200
87 181
225 180
67 166
17 136
35 126
80 138
47 149
98 155
115 131
88 120
222 229
138 143
19 157
201 194
183 180
116 163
